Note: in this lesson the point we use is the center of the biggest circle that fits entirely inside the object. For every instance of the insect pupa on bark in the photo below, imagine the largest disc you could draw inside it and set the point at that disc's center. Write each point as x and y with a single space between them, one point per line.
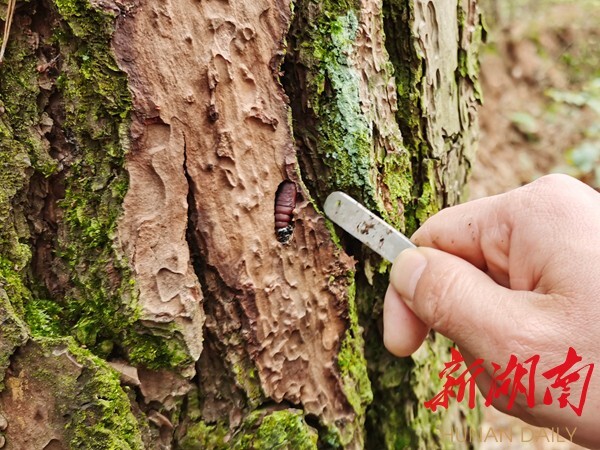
285 202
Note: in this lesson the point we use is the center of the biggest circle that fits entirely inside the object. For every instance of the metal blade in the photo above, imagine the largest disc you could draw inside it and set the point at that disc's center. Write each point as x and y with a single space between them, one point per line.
365 226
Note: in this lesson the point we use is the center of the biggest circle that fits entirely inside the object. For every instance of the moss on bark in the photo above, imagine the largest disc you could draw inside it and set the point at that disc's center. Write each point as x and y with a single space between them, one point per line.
336 134
20 155
99 306
13 331
332 129
201 436
97 105
85 393
282 430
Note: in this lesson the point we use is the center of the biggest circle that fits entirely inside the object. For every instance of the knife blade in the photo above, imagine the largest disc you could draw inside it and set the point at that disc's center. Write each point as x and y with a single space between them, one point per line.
365 226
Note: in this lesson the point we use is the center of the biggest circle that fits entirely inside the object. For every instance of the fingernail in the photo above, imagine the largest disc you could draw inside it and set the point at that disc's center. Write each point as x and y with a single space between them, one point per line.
406 272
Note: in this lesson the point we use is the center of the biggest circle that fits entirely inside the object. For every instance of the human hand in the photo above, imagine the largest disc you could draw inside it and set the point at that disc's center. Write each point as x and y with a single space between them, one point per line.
514 274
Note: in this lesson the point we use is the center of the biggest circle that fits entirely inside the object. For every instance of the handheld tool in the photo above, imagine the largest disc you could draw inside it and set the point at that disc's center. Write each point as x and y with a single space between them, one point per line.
365 226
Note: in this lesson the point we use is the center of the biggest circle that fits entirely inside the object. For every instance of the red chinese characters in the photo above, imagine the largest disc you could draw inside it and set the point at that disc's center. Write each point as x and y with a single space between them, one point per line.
462 382
515 379
563 375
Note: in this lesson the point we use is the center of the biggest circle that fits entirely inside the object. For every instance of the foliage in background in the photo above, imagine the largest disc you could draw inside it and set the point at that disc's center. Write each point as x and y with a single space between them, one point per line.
550 49
583 160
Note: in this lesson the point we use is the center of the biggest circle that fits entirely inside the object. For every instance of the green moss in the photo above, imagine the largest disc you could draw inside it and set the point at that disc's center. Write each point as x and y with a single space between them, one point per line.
202 436
246 376
100 310
322 39
261 430
352 364
156 352
19 92
97 101
12 284
428 203
22 154
110 424
13 331
397 178
278 430
19 84
106 421
409 72
44 318
329 116
345 137
18 112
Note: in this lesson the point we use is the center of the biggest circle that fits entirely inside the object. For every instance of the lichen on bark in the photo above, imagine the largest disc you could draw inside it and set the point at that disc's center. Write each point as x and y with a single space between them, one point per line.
342 94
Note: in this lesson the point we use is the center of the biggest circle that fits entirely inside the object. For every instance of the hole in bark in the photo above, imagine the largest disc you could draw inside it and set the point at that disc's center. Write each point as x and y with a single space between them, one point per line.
312 420
285 202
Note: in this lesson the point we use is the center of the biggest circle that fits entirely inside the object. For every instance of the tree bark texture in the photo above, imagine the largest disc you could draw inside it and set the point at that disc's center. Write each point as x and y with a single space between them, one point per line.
146 299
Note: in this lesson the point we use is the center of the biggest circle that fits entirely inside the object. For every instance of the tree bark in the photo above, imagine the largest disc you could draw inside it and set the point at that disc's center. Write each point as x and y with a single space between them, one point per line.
146 298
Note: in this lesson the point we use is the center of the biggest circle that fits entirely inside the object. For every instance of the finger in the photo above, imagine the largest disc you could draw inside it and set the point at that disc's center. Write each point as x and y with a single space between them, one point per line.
460 230
491 232
403 332
458 300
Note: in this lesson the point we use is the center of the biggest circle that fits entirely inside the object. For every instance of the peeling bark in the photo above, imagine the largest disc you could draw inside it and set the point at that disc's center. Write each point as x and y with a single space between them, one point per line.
144 272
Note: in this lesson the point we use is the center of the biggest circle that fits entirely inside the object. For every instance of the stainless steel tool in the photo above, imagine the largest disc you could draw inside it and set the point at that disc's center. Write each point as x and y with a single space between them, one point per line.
365 226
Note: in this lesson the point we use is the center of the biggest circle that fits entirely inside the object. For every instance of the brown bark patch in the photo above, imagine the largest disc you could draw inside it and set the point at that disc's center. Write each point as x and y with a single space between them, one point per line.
208 73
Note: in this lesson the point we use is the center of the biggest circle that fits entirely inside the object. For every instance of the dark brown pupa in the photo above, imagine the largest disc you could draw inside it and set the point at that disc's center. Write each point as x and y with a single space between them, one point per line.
285 202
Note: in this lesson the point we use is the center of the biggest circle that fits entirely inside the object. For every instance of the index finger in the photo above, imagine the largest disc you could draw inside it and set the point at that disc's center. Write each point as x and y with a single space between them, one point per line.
477 231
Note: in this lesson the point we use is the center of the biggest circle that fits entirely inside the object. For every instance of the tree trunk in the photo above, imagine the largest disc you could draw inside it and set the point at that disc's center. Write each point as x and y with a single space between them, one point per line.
146 298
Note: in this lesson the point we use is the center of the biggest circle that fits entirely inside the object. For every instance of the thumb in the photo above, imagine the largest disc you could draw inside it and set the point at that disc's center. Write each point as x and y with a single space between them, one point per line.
457 299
